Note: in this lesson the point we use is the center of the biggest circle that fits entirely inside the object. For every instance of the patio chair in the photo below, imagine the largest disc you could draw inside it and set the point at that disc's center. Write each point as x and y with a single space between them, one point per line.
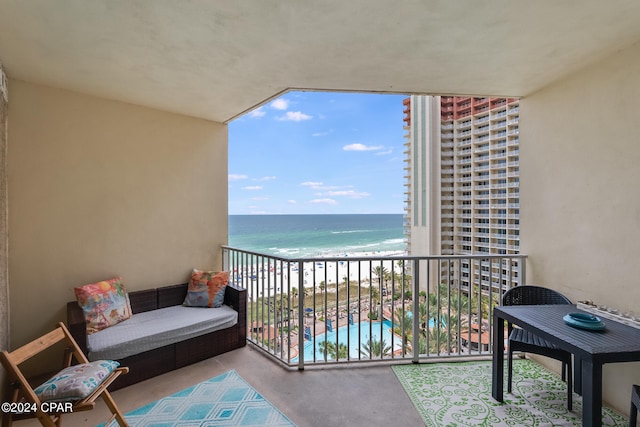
635 404
525 341
56 396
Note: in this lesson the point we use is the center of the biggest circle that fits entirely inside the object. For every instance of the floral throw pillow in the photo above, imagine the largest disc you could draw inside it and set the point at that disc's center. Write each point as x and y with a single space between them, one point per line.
75 382
104 304
206 288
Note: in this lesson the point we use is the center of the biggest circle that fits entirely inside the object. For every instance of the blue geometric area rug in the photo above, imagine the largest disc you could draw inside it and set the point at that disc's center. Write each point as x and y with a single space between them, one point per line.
226 400
459 394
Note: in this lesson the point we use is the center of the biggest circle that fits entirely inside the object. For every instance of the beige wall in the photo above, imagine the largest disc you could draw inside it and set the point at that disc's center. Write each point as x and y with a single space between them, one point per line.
100 188
580 203
4 235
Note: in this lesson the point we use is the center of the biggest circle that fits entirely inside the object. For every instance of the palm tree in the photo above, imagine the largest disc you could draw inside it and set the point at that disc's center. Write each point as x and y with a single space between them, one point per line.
374 304
329 350
403 326
439 341
325 347
343 351
433 342
387 276
447 308
380 272
374 348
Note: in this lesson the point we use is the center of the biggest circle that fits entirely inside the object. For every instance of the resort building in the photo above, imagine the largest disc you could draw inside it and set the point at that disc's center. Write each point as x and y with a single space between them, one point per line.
463 182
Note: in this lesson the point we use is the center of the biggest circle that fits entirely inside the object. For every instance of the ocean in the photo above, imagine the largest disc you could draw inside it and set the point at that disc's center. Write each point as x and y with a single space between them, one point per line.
299 236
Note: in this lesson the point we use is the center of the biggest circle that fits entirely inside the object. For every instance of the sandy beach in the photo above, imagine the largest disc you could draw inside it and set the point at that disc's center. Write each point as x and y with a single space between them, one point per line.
269 276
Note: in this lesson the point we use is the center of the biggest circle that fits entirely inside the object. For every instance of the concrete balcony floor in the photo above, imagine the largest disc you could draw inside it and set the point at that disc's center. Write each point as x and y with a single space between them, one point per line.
336 396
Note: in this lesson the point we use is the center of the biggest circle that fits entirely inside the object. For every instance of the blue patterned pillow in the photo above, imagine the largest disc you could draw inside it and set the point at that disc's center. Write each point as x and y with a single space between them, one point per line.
75 382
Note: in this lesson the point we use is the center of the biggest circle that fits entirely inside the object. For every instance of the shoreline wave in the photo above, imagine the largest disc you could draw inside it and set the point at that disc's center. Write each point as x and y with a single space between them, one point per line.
352 231
317 235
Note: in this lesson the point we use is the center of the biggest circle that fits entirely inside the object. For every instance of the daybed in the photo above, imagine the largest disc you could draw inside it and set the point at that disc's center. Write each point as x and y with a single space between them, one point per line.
167 335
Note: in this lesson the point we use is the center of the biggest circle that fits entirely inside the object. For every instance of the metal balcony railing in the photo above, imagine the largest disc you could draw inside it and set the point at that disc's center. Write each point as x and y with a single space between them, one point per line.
348 309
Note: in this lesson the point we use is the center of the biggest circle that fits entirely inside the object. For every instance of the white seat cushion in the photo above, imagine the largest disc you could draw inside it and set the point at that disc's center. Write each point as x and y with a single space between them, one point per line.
157 328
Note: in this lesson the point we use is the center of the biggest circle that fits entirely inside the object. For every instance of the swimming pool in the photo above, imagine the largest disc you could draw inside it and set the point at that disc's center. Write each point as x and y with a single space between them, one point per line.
367 330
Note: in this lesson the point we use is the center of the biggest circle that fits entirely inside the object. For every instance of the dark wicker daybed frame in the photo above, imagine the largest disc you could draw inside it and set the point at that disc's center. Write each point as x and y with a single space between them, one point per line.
164 359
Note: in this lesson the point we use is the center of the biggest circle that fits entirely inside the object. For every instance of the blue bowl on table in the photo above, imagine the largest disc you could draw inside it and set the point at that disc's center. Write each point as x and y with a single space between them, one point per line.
584 321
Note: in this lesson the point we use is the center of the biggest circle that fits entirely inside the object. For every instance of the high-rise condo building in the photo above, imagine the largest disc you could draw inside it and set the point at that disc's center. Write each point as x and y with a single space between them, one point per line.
462 182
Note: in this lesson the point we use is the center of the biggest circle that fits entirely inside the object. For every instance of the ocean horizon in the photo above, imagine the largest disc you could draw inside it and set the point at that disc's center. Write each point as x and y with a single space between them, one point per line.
307 235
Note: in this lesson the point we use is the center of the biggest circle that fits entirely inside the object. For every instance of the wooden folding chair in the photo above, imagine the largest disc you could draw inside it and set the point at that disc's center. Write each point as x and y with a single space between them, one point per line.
24 395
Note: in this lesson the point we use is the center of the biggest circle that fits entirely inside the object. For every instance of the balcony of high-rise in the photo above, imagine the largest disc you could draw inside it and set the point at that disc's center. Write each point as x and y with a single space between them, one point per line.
97 88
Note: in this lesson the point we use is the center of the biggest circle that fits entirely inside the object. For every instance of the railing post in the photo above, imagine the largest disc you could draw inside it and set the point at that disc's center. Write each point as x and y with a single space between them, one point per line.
301 313
415 315
225 260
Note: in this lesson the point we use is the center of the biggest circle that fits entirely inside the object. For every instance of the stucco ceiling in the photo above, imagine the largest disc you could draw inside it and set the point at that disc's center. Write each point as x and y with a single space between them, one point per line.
216 59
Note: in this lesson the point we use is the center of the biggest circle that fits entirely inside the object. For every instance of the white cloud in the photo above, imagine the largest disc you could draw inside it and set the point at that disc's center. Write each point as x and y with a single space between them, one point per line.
258 112
322 202
384 153
312 184
266 178
280 104
316 134
329 190
362 147
252 188
326 193
259 199
292 202
236 177
347 193
294 116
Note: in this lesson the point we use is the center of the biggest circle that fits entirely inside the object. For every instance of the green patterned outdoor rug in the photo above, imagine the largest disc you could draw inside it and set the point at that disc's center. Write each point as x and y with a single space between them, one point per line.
226 400
459 394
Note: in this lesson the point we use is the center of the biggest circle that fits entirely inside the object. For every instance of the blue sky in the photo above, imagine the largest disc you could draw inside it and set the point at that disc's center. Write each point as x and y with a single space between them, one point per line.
318 152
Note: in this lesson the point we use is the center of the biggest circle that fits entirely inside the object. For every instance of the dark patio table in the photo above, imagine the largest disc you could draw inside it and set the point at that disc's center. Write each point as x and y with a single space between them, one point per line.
591 349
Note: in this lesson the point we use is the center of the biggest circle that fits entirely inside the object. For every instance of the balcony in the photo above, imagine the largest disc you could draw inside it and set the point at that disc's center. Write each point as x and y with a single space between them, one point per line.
329 397
318 311
370 395
50 129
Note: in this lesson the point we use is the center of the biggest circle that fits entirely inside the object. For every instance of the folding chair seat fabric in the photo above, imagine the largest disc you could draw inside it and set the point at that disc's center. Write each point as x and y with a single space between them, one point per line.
77 385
